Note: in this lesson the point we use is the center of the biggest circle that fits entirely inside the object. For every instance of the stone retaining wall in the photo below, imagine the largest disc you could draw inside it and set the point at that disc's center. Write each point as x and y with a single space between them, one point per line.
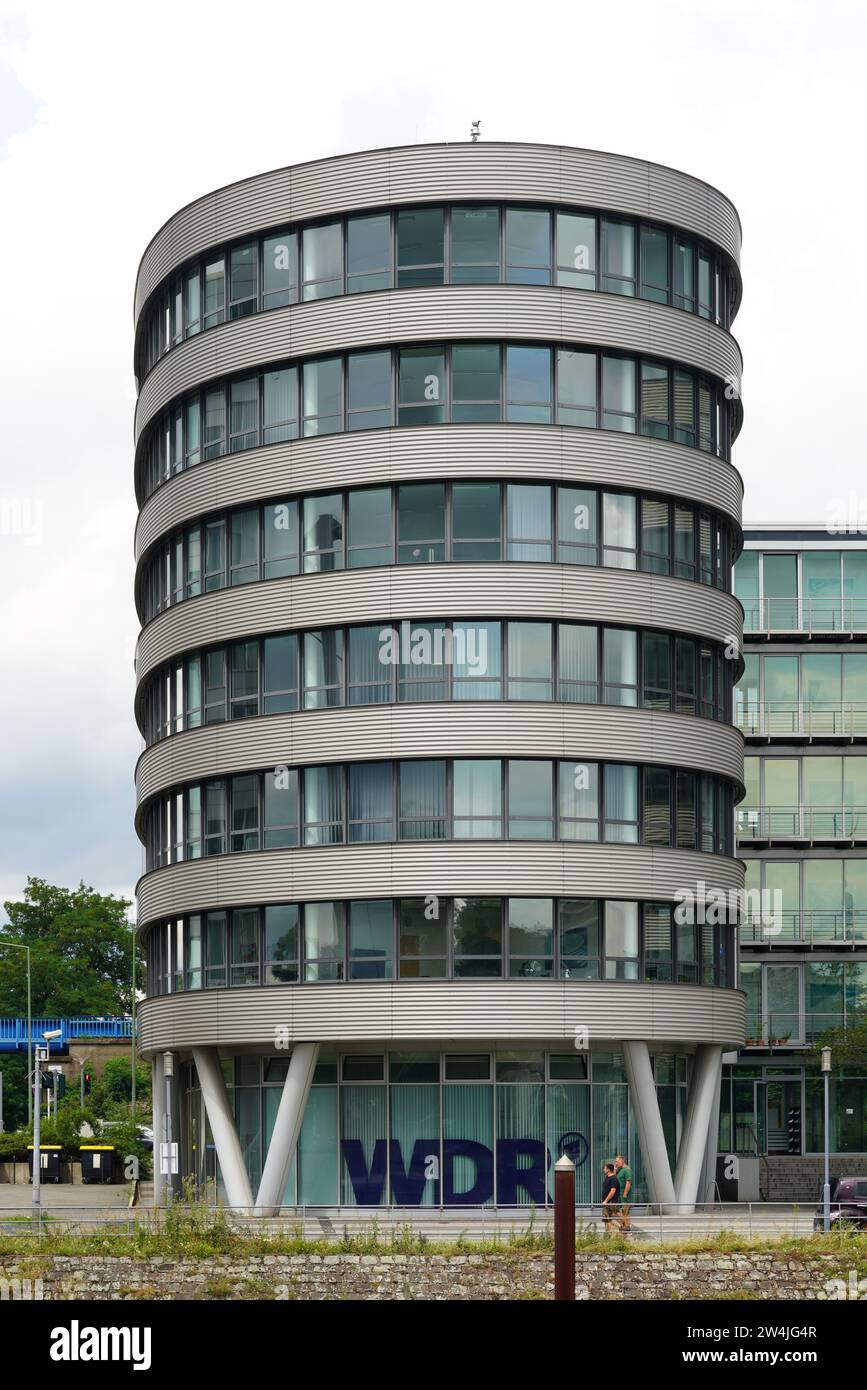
443 1277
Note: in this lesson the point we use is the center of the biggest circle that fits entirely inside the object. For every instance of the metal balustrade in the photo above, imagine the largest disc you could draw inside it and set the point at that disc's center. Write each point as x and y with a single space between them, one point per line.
838 719
824 823
784 1029
813 616
820 927
13 1031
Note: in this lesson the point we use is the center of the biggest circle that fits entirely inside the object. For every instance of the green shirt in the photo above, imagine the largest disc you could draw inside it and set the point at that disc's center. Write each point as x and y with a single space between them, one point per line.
624 1175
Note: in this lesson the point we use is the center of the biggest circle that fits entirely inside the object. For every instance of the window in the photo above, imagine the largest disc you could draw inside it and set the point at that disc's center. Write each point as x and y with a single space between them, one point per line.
245 946
576 388
578 658
322 261
478 798
280 540
621 803
422 800
194 563
684 408
421 523
531 799
705 287
528 384
244 680
323 396
280 406
322 532
658 944
577 526
684 543
621 941
193 434
244 281
281 944
215 949
244 562
528 521
579 800
422 670
368 253
686 676
656 822
420 256
579 938
654 400
477 939
618 394
371 940
618 530
368 389
215 686
371 802
245 814
683 266
323 668
281 808
654 264
324 941
280 674
370 540
193 303
370 671
215 818
531 937
475 246
576 251
280 270
655 539
215 424
476 521
528 246
618 257
656 672
421 386
475 383
215 292
422 938
323 805
476 661
531 661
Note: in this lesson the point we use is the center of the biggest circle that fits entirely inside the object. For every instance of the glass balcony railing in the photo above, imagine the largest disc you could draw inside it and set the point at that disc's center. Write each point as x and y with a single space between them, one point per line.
801 718
824 823
809 615
820 927
782 1029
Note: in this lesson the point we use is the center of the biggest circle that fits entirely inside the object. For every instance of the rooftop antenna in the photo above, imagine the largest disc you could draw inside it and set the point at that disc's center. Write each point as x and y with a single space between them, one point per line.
475 131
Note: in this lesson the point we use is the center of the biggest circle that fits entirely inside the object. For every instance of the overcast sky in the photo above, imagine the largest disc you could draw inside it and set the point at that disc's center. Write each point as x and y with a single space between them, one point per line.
114 115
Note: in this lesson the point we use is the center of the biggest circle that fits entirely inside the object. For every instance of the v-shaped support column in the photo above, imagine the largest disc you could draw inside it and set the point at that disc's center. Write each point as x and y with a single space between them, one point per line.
651 1135
703 1090
287 1127
222 1122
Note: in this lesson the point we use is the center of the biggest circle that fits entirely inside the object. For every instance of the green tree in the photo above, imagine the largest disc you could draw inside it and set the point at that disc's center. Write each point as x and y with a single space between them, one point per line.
114 1087
14 1069
848 1045
80 944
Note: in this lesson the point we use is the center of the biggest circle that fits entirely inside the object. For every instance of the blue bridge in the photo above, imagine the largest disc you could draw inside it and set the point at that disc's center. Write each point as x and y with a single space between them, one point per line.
13 1031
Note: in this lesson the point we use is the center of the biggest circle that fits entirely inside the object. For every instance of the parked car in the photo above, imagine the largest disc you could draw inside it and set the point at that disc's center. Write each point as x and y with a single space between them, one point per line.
848 1204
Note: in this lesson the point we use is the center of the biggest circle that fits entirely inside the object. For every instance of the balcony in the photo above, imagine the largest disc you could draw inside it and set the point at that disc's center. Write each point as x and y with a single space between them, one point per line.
801 825
810 617
807 720
787 1030
835 927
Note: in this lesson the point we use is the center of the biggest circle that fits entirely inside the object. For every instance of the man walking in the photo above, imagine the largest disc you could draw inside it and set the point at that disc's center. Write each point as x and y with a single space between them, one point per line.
624 1183
610 1196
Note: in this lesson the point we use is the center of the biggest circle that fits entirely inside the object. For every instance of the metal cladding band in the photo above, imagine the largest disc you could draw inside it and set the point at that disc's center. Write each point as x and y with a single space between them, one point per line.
489 170
507 313
438 1010
484 729
417 868
573 593
549 453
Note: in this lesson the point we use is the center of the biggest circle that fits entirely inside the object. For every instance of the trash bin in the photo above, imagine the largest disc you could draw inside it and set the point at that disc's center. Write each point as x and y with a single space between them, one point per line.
97 1162
50 1161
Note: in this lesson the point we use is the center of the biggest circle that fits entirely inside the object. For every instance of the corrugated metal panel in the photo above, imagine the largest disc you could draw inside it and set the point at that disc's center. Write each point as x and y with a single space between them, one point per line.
572 592
471 730
449 1011
449 312
414 174
418 869
442 451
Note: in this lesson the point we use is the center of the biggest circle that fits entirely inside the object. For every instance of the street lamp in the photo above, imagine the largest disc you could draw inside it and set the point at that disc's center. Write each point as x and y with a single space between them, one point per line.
17 947
826 1189
42 1055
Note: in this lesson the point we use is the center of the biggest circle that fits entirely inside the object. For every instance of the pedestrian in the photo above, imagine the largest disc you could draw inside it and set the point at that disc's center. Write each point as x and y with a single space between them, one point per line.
610 1196
624 1183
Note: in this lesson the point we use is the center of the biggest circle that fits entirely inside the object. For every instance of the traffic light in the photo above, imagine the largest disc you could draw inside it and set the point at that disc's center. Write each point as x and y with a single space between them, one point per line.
88 1082
795 1130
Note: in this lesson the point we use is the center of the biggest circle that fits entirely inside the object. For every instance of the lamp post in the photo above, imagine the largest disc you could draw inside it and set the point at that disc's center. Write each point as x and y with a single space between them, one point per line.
17 947
826 1189
42 1055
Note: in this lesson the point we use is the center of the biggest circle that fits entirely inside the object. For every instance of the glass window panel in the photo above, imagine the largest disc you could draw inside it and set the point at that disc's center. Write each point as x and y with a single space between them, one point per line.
280 540
618 394
478 798
281 944
475 383
281 807
369 518
579 800
656 670
215 686
421 523
476 521
576 251
578 657
683 259
280 674
371 802
420 239
279 270
423 660
576 388
656 811
323 805
422 800
654 264
684 542
821 589
368 253
280 406
475 246
370 672
621 941
528 246
528 384
531 799
621 803
215 292
323 396
531 939
243 280
322 532
530 661
421 386
619 666
244 680
422 938
477 936
619 533
684 408
780 584
577 526
214 424
324 941
476 661
368 390
528 521
654 400
371 940
618 257
245 814
579 938
322 260
244 560
323 668
215 949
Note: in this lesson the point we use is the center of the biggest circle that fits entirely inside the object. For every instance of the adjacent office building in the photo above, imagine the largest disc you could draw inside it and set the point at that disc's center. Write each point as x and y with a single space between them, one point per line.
437 524
802 832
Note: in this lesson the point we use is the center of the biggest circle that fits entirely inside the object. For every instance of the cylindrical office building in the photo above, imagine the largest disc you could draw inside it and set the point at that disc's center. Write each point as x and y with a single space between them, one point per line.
437 523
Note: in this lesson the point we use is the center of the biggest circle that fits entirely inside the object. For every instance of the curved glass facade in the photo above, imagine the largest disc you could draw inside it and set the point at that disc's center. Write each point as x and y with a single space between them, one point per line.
436 384
432 522
437 938
440 799
457 244
458 659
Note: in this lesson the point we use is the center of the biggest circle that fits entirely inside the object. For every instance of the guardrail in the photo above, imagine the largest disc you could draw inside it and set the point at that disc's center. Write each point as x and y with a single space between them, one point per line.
843 927
843 719
791 1029
827 823
13 1031
813 616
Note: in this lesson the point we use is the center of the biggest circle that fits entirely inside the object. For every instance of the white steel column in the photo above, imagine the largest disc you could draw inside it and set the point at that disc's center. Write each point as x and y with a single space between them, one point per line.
222 1123
703 1092
287 1127
651 1136
158 1099
707 1182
